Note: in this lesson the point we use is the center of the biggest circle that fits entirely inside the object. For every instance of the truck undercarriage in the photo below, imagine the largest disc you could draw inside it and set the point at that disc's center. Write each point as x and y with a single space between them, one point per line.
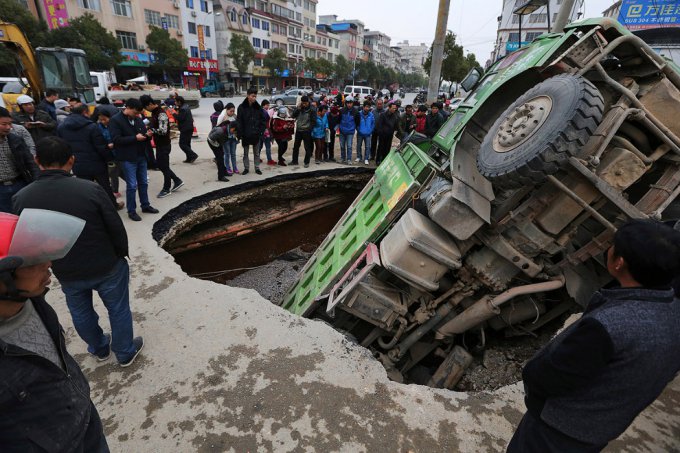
498 225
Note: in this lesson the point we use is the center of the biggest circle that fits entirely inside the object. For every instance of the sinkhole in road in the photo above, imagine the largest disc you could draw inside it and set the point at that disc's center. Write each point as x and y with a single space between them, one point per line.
259 234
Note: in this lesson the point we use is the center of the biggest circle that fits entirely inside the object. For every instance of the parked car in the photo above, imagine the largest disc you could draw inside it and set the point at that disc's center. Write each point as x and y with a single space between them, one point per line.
289 97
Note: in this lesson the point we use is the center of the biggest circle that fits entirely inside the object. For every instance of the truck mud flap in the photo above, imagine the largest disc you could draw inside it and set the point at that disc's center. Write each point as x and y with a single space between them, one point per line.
391 190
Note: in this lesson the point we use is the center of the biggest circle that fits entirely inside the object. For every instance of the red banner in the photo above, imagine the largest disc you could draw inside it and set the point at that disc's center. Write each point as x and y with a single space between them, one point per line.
198 64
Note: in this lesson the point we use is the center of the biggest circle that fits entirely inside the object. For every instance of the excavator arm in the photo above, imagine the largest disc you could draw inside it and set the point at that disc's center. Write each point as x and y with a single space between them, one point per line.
15 41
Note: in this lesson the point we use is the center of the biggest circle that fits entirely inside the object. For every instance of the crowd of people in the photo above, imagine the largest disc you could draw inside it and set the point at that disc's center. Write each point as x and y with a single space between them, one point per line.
315 124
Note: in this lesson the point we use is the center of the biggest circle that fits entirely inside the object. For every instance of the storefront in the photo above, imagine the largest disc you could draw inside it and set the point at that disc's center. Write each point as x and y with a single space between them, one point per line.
195 75
134 64
261 77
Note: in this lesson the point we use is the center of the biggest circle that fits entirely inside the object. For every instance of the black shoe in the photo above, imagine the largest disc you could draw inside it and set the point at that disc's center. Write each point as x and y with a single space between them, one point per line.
106 353
245 172
134 216
192 158
139 344
258 171
294 163
177 185
150 210
223 179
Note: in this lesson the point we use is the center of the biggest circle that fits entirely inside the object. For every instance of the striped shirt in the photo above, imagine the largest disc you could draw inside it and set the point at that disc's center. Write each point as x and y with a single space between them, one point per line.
8 169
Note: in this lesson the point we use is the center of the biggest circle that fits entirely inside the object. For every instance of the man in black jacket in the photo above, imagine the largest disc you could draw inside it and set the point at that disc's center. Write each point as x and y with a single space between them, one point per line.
385 126
586 386
17 167
40 124
47 104
44 396
434 120
160 126
185 124
250 128
130 138
90 149
97 260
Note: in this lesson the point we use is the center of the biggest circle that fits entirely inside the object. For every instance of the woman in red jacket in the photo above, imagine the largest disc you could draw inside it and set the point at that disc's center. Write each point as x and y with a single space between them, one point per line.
282 130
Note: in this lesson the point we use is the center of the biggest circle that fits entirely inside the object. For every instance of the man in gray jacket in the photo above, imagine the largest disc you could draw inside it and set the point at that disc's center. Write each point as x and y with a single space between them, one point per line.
305 117
586 386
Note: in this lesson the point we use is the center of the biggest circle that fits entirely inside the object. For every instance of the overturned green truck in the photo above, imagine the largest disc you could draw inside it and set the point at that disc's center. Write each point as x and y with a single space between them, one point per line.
499 223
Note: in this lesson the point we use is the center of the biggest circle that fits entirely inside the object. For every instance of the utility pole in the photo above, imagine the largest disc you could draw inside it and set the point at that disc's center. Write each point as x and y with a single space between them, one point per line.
563 16
438 50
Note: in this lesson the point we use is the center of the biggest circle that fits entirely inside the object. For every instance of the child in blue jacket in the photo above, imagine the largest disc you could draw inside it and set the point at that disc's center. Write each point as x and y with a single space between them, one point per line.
319 133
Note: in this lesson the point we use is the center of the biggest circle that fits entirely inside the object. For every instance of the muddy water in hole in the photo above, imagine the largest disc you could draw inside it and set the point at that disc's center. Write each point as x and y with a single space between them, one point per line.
261 247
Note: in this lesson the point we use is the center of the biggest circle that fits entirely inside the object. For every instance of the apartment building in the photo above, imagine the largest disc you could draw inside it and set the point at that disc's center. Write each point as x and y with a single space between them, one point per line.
413 57
199 38
378 44
533 25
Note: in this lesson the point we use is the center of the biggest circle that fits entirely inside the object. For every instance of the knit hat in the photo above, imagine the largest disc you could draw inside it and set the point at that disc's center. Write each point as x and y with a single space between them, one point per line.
60 104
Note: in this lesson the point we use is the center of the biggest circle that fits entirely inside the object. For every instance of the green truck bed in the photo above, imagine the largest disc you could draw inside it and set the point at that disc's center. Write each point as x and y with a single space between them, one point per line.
391 190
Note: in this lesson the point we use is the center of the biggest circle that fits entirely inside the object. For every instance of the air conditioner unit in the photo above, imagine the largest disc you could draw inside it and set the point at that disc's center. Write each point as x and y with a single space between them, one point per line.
193 14
179 33
175 4
142 48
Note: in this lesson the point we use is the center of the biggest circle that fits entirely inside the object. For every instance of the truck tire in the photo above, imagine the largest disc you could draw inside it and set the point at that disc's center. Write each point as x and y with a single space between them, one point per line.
540 130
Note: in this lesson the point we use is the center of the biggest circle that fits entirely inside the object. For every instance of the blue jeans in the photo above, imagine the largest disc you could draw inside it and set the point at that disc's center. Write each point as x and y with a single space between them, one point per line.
346 146
230 155
267 142
114 292
366 139
136 179
6 194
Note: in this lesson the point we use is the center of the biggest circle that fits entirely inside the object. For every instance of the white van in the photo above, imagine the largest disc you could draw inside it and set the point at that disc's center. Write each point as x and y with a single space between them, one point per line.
360 91
101 82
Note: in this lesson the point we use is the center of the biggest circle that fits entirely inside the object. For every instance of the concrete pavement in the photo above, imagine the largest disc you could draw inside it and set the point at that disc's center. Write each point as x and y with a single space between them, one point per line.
225 370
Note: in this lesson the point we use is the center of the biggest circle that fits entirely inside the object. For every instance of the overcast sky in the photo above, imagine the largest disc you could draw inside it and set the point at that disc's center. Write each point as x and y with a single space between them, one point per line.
473 21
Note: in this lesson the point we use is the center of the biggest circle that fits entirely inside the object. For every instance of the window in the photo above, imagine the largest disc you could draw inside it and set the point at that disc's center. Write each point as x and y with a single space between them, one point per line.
265 26
121 8
298 17
337 42
206 30
257 62
152 17
256 42
265 44
513 37
291 48
193 51
255 22
204 6
88 4
190 4
208 54
191 27
515 19
306 22
531 35
538 18
284 30
173 21
275 28
128 40
244 19
232 15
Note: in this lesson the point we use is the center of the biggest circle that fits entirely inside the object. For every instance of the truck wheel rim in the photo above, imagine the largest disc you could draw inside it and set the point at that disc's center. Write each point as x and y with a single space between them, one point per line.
522 123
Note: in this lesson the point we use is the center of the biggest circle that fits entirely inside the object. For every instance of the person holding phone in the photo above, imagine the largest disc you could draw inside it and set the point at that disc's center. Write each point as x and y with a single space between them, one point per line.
40 124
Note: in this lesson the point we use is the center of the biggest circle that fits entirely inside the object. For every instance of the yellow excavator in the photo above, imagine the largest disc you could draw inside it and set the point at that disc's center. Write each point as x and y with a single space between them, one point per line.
64 70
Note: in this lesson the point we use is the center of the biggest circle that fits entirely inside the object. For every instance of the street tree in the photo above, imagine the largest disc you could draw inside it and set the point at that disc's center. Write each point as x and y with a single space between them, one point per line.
171 56
13 12
343 68
325 67
102 49
276 61
241 52
454 63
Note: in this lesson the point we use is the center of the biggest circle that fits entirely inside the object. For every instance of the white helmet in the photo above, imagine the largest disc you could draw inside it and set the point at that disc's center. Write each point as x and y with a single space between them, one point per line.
25 99
349 99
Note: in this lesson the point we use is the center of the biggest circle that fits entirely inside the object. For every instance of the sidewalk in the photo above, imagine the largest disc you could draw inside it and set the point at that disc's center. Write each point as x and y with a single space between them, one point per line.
225 370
